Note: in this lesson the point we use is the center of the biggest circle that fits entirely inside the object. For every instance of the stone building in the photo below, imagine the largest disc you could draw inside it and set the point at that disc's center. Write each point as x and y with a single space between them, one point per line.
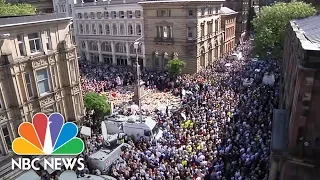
228 26
106 30
38 73
295 132
242 7
189 30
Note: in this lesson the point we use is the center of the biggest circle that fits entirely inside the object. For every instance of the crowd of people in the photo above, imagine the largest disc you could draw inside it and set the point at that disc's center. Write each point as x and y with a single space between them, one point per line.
221 131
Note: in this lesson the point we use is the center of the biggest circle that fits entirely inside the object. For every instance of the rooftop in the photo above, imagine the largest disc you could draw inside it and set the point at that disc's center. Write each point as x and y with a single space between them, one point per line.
107 2
308 31
227 11
7 21
178 1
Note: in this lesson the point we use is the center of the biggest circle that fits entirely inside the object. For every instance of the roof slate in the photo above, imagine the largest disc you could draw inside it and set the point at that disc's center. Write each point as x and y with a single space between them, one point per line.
14 20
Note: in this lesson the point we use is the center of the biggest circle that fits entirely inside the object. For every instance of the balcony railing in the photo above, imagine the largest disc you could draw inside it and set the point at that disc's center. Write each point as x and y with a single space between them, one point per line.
164 40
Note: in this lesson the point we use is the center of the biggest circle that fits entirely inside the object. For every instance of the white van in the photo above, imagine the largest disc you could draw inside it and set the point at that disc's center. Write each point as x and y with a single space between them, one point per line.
132 126
104 158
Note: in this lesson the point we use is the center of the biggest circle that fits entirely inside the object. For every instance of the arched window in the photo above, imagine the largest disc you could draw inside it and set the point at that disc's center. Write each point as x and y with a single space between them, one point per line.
105 46
120 48
114 29
138 29
202 57
93 46
83 45
130 29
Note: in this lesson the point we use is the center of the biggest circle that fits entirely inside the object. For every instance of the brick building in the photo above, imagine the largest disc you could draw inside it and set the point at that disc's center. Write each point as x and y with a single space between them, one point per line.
228 26
190 30
296 124
242 7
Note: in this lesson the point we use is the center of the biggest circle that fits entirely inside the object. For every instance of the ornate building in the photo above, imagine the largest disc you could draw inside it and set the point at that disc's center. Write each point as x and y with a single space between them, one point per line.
189 30
38 73
106 30
242 7
228 26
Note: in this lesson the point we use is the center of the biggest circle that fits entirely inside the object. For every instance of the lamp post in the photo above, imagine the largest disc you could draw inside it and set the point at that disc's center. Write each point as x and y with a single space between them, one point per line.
136 46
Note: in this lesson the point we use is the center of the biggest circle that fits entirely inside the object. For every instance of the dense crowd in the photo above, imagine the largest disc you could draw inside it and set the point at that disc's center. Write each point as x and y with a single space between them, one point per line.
222 130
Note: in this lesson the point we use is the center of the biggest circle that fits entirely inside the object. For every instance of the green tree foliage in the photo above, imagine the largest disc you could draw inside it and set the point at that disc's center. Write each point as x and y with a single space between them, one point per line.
270 26
7 9
98 103
175 66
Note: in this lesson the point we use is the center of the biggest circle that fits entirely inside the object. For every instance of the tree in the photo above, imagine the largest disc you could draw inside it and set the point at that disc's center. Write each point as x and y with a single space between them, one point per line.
7 9
270 26
98 103
175 66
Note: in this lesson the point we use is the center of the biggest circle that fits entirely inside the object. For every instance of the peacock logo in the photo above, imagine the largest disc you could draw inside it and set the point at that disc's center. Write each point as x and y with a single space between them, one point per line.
48 136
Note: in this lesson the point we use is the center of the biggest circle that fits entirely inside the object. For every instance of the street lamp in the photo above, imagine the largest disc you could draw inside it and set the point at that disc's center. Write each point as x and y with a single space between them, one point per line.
136 47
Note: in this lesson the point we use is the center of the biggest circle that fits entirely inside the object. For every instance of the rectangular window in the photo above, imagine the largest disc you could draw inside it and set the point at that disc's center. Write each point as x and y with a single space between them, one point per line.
190 33
70 10
121 14
22 47
190 12
34 42
138 13
79 15
87 29
163 13
138 29
202 29
77 105
100 29
94 30
92 15
106 15
203 10
43 81
81 29
28 84
99 15
72 72
129 14
122 30
6 136
210 11
53 73
48 39
107 29
113 14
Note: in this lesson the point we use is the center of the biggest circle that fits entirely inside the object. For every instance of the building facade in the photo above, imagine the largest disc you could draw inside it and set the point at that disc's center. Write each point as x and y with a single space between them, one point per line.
299 99
242 7
42 6
189 30
39 73
106 30
228 26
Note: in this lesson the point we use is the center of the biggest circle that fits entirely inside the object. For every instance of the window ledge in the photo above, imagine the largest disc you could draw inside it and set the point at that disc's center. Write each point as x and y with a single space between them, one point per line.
44 94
